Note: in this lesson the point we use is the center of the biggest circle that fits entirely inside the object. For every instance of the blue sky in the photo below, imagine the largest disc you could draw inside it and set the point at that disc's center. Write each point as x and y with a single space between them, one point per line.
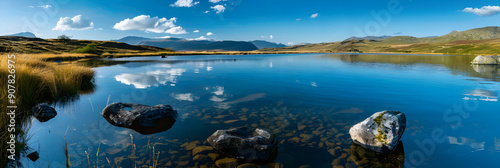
282 21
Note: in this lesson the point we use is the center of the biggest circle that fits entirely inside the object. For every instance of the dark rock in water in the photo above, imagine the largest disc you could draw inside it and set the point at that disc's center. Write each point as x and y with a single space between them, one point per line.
380 132
127 163
33 156
141 118
43 112
257 146
363 157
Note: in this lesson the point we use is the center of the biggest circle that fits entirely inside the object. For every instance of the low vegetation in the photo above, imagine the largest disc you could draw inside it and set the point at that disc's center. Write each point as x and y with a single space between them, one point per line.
39 81
90 49
25 45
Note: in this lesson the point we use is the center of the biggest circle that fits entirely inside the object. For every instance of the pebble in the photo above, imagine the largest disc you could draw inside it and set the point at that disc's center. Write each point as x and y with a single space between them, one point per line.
201 158
230 121
227 163
202 150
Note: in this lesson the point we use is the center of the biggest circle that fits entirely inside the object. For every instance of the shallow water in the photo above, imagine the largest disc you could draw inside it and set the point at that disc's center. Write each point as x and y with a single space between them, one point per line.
308 100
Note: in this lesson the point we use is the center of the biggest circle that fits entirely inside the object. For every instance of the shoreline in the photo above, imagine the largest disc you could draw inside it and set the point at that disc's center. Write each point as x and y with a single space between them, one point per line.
76 56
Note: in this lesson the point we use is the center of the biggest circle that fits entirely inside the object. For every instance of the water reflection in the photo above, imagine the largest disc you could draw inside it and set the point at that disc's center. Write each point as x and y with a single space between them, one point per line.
476 146
251 97
481 94
151 78
363 157
497 144
309 120
185 97
458 64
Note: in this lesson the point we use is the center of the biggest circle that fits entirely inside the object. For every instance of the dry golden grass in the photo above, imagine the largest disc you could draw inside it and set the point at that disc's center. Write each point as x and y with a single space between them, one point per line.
39 81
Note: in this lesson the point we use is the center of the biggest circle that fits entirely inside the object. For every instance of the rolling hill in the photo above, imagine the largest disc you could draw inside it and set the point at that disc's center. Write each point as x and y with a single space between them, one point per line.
17 44
484 40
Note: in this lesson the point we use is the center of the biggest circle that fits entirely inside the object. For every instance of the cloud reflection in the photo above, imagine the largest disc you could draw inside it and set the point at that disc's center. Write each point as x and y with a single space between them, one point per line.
481 94
250 97
185 97
219 91
217 99
477 146
151 78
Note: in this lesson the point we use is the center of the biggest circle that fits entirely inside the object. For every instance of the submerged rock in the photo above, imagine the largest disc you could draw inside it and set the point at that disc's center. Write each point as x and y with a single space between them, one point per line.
257 146
141 118
380 132
486 60
43 112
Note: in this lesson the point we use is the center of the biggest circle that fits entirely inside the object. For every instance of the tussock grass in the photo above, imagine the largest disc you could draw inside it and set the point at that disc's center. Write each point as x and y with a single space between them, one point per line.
39 81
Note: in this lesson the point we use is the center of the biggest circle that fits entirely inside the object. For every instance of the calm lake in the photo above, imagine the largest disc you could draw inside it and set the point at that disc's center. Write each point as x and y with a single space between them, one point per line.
308 100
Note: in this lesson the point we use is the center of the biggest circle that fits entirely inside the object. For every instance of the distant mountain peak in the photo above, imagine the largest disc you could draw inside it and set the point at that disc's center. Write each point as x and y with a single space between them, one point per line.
24 34
261 44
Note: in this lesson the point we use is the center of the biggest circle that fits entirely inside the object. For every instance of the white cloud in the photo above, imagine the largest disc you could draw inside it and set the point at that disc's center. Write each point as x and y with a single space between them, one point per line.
176 30
150 24
201 38
216 1
164 37
298 19
218 8
75 23
42 6
45 6
196 31
483 11
206 12
271 37
209 34
263 36
314 15
184 3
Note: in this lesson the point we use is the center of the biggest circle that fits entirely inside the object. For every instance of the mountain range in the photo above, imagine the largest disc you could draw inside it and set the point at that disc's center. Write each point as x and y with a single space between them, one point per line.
484 40
180 44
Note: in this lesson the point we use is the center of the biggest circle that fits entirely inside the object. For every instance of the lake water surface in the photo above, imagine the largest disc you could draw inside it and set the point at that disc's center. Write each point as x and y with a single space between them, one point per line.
308 100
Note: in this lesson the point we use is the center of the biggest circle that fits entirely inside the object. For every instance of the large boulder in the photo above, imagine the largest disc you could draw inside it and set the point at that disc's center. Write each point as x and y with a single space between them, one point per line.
43 112
486 60
380 132
256 146
141 118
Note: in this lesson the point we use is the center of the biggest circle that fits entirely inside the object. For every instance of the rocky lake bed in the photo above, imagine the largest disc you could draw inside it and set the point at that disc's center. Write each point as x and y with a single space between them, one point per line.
270 111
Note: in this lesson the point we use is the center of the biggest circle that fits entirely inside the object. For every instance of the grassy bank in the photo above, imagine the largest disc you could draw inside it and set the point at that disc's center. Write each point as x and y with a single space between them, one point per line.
38 81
